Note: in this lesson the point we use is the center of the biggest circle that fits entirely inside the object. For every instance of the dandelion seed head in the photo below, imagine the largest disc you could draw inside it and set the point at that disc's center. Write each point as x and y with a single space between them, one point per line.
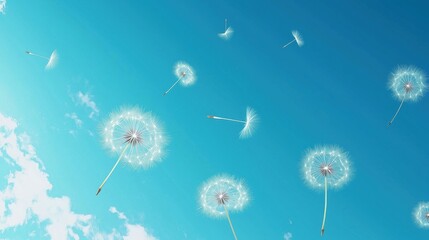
223 191
140 130
186 74
251 123
133 137
222 198
421 215
408 83
329 162
298 38
326 170
53 60
408 87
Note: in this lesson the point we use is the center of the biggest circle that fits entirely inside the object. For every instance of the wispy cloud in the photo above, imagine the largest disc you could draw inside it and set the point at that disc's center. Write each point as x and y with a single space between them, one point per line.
121 215
85 109
73 116
25 200
86 100
72 132
134 231
2 6
288 236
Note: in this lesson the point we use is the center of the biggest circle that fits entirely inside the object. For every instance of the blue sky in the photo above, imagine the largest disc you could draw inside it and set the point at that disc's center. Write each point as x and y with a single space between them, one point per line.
332 90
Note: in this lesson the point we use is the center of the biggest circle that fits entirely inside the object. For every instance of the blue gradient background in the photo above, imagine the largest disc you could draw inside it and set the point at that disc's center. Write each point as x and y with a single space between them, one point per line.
333 90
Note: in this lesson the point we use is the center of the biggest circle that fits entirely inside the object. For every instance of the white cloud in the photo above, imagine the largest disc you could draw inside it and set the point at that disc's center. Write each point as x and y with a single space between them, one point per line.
2 6
85 99
121 215
8 124
73 116
25 200
137 232
85 102
134 231
288 236
26 193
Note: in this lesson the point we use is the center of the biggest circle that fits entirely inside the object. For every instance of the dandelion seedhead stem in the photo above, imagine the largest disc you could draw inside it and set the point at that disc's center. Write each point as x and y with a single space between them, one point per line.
113 169
326 206
230 222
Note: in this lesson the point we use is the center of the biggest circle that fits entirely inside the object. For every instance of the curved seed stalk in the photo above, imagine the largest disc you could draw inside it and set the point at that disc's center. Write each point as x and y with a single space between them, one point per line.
111 171
37 55
397 111
178 80
226 119
230 223
326 207
289 43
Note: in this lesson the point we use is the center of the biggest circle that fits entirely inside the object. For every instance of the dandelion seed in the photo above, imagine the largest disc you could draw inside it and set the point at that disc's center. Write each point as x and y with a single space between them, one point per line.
296 38
407 84
227 34
287 236
249 124
421 215
2 6
222 194
323 167
135 136
185 74
52 60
